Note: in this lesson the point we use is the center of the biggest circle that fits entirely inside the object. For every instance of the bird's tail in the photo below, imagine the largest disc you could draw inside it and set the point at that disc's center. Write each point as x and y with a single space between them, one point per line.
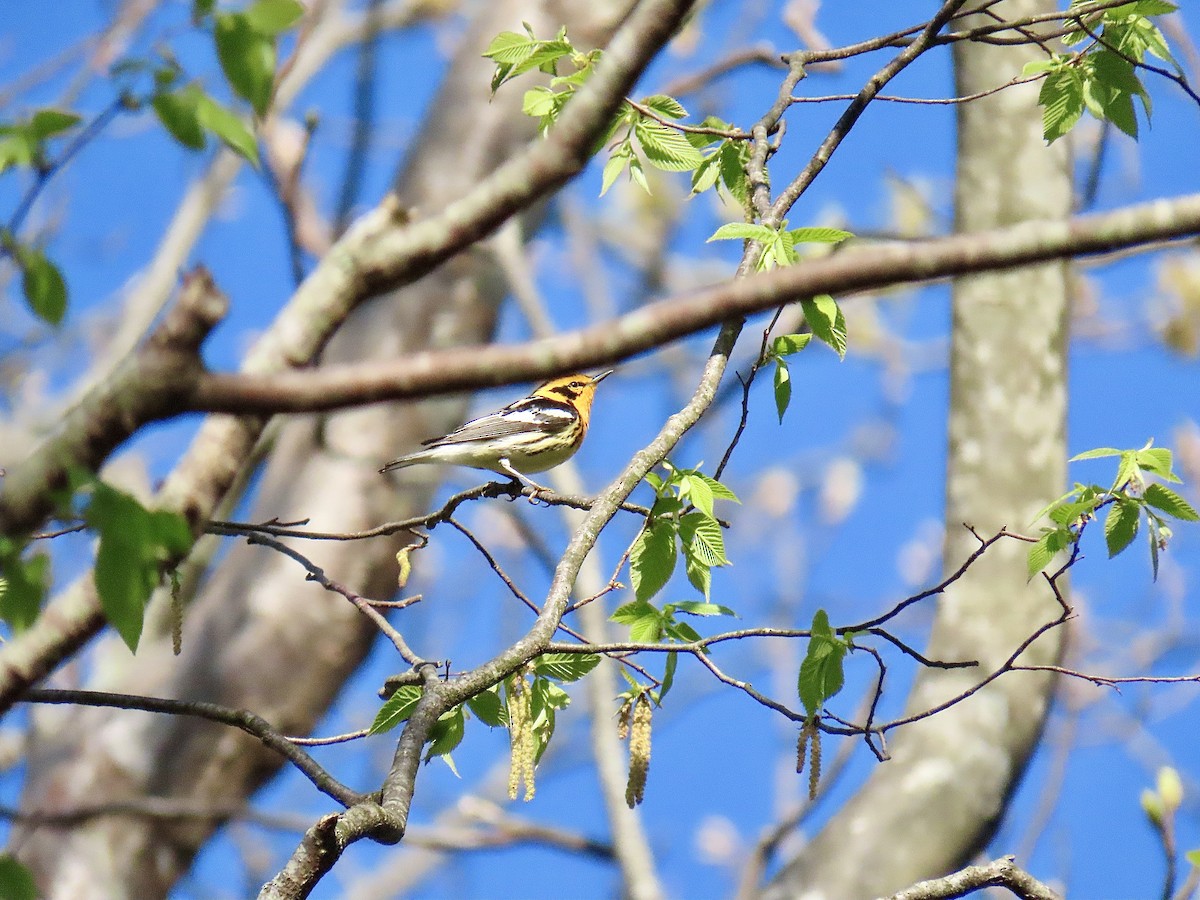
402 462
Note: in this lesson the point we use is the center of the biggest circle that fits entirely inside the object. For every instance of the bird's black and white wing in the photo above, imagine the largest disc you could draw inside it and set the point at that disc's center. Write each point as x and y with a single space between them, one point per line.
536 414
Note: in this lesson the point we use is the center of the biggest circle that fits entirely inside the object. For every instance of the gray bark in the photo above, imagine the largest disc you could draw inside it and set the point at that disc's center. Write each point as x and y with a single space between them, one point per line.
257 636
937 801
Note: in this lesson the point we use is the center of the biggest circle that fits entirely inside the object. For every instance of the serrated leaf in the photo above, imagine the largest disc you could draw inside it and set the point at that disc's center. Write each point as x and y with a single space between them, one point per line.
719 490
699 574
1121 525
652 559
696 608
644 621
698 493
814 235
821 672
273 17
668 679
825 318
665 106
565 666
446 734
179 114
702 539
616 164
705 175
489 709
783 388
231 130
1157 460
1095 454
788 344
1061 98
247 58
665 148
42 283
1049 545
396 709
1162 497
733 157
743 231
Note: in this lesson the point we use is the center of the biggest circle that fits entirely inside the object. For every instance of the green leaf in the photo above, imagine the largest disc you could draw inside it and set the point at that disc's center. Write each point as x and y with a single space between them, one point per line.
179 113
652 559
1061 98
1162 497
1121 525
134 545
25 584
1157 460
819 235
668 678
825 318
272 17
49 122
229 128
743 231
698 492
667 107
17 150
821 672
540 101
696 608
666 148
446 734
565 666
705 175
788 344
702 538
783 388
16 881
396 709
719 490
42 283
247 58
699 574
733 158
489 708
1095 454
1109 88
1049 545
1193 857
644 621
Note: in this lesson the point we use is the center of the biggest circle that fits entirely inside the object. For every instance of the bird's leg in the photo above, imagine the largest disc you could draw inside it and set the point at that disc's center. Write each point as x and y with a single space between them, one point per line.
523 479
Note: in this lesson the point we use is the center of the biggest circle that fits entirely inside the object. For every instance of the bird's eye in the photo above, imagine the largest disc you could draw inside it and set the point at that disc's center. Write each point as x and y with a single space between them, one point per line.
577 384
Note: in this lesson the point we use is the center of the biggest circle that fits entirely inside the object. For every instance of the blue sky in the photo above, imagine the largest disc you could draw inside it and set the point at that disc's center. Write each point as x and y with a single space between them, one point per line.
719 770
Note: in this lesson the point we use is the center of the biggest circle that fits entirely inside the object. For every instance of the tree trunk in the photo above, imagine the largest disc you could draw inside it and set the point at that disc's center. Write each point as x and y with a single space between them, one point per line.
938 800
258 636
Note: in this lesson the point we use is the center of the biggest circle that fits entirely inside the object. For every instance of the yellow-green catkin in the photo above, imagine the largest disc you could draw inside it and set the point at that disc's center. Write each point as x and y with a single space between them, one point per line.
814 760
639 751
520 736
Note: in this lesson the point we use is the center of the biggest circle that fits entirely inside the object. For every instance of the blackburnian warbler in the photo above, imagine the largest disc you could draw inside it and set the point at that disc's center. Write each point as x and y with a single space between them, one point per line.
532 435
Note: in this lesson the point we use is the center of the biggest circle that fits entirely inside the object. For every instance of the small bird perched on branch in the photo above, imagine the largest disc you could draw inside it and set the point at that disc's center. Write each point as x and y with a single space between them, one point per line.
533 434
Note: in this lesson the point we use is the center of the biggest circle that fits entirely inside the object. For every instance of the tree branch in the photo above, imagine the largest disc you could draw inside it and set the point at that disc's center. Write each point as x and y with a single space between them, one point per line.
848 272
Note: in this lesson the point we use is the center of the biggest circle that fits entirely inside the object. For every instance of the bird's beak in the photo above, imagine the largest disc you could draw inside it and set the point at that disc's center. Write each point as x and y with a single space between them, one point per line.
596 379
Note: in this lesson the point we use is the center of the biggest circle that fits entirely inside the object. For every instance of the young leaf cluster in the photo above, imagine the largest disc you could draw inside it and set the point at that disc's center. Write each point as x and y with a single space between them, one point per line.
1102 78
640 134
23 145
245 46
540 686
1131 498
821 672
778 244
136 547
